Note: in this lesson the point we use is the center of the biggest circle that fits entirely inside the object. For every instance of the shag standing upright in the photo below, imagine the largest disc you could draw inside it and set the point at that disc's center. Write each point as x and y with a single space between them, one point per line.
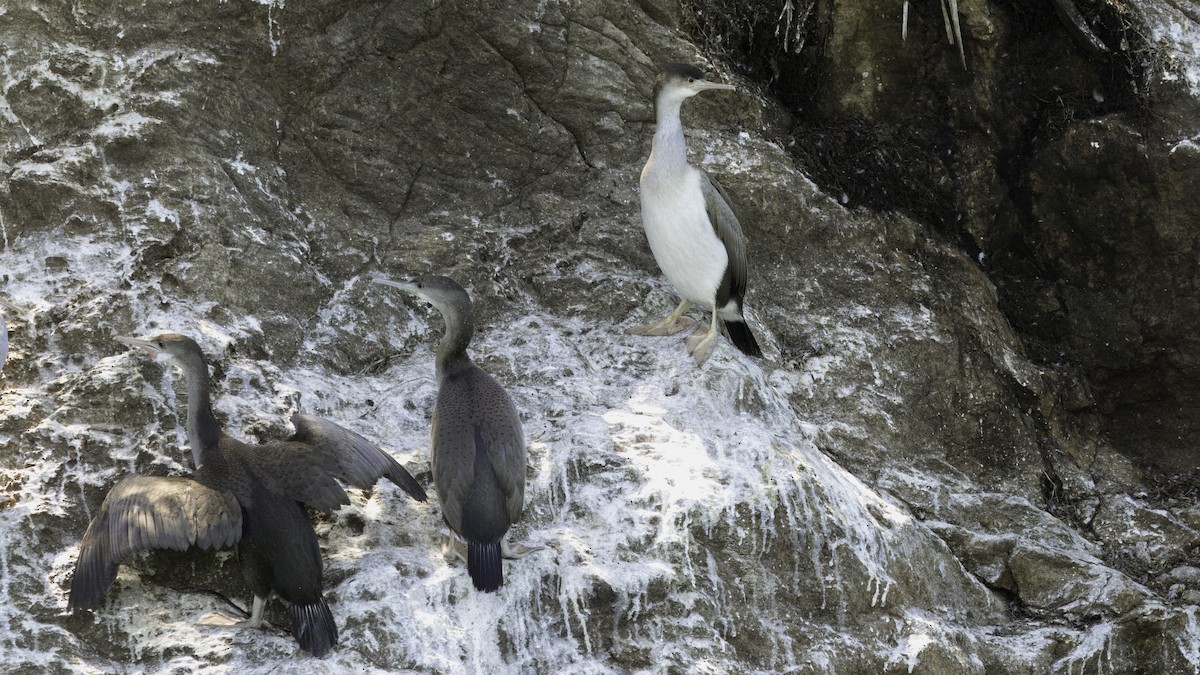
477 447
693 232
239 493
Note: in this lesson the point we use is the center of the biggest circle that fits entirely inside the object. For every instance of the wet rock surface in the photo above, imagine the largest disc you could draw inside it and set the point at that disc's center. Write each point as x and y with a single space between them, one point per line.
906 483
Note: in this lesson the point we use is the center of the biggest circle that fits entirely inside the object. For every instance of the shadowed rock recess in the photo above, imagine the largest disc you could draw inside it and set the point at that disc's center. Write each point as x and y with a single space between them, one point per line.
969 446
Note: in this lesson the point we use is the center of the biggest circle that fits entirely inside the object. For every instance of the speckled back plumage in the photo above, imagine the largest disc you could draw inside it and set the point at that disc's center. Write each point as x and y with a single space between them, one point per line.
477 447
478 455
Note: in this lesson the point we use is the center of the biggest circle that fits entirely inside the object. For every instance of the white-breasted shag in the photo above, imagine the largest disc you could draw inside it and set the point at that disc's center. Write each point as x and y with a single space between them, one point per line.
692 230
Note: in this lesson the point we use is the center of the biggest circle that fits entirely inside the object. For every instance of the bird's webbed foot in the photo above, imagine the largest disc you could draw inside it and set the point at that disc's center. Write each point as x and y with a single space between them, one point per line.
674 323
452 546
665 327
700 343
517 551
455 547
224 620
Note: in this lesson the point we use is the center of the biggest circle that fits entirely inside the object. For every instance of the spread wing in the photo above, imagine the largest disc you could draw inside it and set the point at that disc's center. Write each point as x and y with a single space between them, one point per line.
351 457
295 470
147 512
307 466
729 231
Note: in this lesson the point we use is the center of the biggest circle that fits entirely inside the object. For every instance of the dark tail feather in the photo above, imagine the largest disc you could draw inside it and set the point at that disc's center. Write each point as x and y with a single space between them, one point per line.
313 627
742 338
483 562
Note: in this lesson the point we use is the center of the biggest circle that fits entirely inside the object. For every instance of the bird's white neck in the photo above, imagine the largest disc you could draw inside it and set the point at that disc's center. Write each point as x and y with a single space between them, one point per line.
669 152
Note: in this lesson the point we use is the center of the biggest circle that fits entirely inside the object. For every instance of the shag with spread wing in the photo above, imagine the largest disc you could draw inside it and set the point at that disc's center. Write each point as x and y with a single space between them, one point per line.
251 495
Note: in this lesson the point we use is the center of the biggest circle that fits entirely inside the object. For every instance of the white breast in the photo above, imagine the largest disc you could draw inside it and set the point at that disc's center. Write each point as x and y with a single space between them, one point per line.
681 236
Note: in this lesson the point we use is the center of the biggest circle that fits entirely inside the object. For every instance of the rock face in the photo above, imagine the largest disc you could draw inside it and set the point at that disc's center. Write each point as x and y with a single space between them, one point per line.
905 483
1059 156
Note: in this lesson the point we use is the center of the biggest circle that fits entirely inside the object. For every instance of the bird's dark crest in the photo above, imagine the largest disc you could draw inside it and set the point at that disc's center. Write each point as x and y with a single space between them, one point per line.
682 71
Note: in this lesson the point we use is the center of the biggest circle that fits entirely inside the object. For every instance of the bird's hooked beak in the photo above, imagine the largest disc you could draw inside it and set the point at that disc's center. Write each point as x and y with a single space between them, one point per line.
406 286
141 344
703 85
402 285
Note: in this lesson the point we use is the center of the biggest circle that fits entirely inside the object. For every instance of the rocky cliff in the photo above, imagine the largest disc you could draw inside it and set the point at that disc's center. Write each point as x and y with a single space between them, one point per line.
970 447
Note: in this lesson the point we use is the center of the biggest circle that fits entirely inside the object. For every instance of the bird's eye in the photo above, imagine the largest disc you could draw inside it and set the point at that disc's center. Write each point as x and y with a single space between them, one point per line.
691 79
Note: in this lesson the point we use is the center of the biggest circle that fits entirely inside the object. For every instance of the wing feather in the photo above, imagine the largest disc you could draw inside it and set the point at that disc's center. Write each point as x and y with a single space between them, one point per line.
470 412
295 470
729 231
506 445
308 465
142 513
352 458
452 449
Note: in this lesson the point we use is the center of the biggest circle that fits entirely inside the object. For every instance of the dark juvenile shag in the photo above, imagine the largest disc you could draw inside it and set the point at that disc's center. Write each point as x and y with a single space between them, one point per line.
251 495
691 227
477 447
4 330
